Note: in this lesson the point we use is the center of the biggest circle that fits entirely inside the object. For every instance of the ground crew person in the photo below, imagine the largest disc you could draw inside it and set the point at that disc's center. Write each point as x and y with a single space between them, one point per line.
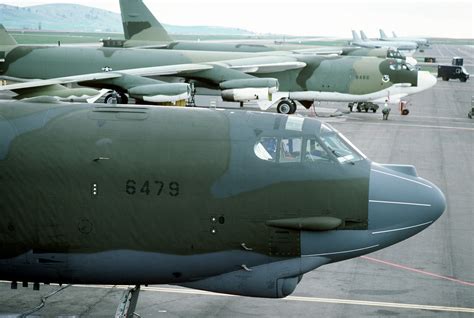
385 111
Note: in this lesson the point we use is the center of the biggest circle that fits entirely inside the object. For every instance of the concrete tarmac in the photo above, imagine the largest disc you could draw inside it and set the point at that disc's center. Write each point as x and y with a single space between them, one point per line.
428 275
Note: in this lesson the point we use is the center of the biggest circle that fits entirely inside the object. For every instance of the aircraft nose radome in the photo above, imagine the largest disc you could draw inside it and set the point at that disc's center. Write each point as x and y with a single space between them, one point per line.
438 202
425 80
400 200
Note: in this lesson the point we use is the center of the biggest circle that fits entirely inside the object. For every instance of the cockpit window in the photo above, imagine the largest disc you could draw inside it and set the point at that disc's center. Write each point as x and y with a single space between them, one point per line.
314 151
266 148
338 145
327 145
290 149
397 66
394 54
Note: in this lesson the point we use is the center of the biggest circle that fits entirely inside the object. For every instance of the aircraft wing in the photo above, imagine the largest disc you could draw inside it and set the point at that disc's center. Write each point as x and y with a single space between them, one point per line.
233 77
263 64
145 71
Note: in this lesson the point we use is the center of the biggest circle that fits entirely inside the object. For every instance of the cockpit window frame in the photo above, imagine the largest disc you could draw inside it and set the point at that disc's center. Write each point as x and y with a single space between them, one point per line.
262 152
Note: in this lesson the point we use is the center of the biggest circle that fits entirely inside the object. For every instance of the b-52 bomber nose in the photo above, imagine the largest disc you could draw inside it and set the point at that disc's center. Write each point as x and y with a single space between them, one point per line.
400 203
425 80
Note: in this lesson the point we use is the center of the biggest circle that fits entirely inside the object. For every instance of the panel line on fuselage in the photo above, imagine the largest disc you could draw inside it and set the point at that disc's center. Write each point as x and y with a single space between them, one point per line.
401 203
402 228
342 252
394 175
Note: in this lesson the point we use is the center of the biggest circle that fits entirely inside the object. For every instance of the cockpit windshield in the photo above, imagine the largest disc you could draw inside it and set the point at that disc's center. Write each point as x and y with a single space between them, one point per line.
398 66
315 149
339 146
394 54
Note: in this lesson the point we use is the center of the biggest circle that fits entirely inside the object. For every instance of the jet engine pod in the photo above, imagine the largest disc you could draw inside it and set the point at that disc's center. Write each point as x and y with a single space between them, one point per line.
58 92
241 90
161 93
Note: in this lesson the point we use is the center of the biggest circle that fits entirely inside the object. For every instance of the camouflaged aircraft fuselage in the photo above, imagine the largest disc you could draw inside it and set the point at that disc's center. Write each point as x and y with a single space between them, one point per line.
236 202
350 75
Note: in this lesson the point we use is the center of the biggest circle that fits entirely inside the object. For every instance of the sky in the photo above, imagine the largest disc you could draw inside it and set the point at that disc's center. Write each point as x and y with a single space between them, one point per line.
432 18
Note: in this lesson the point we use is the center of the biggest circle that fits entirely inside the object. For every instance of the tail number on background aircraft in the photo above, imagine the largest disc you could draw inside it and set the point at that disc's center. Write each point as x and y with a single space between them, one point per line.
157 188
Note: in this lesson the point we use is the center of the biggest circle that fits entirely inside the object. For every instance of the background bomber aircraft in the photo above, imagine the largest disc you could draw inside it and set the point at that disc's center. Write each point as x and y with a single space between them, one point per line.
420 41
143 30
238 76
406 47
245 206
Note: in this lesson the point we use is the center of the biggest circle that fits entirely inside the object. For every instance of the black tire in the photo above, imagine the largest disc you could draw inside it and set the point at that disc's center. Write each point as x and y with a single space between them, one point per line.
446 79
405 112
358 109
123 98
109 99
286 107
374 110
293 107
463 79
366 109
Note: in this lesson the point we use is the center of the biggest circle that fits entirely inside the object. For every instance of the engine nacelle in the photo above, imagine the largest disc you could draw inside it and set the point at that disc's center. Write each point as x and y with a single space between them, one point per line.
161 93
59 92
241 90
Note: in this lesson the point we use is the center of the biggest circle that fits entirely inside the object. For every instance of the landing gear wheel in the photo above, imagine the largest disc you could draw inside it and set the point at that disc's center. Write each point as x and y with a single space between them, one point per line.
374 110
123 98
113 98
286 107
463 79
405 112
446 79
358 108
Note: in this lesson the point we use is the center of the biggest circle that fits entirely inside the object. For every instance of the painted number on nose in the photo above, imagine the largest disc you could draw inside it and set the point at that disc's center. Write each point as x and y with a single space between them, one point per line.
147 187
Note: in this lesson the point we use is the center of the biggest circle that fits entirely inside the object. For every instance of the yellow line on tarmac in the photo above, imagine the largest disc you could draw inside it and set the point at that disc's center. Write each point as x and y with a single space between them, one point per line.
322 300
293 298
414 125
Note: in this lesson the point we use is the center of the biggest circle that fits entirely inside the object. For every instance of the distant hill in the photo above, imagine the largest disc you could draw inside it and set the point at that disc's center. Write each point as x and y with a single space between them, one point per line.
60 17
79 18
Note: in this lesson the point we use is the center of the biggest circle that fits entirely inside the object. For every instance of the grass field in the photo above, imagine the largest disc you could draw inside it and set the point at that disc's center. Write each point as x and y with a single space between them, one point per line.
32 37
45 37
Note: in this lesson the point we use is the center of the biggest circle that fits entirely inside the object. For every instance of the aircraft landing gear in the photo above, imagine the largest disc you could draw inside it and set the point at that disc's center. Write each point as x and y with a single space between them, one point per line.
128 303
286 106
116 98
364 106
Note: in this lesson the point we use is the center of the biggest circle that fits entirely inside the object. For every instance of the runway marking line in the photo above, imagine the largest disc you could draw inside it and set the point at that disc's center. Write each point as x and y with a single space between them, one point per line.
292 298
416 125
319 300
417 270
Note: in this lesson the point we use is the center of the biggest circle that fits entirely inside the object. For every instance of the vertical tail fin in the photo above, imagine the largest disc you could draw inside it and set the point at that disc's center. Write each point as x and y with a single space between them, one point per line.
140 24
5 37
363 36
382 34
394 35
355 36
